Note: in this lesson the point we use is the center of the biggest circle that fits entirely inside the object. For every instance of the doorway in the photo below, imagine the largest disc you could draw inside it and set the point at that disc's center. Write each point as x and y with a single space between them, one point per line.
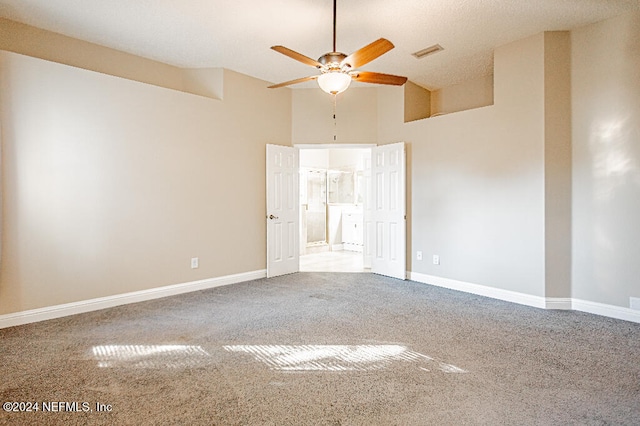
384 214
332 197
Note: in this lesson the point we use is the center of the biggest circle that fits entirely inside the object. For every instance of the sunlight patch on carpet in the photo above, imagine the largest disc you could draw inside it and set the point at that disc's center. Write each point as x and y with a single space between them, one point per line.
149 356
339 357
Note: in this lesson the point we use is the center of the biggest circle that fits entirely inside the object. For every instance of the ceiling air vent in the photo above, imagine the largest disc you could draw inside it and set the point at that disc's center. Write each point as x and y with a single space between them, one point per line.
428 51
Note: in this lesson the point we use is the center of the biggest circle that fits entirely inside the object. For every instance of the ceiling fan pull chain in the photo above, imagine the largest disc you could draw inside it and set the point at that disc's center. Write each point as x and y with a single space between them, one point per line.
335 123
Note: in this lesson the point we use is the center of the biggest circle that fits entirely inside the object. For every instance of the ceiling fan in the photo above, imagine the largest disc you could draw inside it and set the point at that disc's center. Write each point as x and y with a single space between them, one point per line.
337 70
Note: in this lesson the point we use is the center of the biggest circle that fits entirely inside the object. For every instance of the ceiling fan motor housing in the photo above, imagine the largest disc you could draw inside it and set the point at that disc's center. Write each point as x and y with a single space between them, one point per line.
332 62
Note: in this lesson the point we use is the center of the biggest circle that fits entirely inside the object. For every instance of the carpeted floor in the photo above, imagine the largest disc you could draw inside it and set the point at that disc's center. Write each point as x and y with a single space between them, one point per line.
323 349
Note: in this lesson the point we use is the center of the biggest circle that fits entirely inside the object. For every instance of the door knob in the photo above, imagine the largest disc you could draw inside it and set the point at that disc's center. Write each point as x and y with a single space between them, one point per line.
272 217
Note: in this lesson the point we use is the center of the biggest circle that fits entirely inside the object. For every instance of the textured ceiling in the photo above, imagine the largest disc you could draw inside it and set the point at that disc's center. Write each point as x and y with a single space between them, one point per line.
237 34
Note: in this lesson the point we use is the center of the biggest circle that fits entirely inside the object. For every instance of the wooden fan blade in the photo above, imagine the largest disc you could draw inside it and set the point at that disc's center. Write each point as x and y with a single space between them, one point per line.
297 56
296 81
378 78
368 53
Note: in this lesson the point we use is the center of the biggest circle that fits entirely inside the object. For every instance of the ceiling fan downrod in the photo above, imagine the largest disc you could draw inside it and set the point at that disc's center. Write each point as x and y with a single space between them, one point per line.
334 24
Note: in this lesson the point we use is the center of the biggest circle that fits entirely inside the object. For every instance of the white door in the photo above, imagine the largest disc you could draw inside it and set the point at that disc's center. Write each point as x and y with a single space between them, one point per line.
368 235
388 210
283 253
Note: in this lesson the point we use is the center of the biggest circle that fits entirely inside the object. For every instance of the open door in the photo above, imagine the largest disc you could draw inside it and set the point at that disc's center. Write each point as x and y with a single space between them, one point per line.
283 252
368 236
388 210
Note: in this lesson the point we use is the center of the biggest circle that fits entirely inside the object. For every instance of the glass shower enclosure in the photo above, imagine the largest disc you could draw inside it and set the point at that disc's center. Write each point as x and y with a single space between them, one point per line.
314 202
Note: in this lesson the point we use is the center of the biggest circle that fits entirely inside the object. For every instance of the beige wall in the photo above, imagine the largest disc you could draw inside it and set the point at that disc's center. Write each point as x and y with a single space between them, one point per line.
477 197
606 160
557 163
470 94
356 116
111 186
32 41
38 43
417 102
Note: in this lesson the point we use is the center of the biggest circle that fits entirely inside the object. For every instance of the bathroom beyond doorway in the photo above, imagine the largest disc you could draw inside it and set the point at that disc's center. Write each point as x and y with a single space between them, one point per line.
332 195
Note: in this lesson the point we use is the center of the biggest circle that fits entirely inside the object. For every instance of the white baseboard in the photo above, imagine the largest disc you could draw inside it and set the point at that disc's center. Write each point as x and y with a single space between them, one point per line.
481 290
602 309
57 311
560 303
610 311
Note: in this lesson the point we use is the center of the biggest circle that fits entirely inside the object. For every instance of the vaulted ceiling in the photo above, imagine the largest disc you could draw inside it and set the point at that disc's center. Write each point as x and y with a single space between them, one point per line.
238 34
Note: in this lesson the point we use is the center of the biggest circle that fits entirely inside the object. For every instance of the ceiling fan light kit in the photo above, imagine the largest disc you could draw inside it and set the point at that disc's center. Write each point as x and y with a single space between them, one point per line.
337 69
334 82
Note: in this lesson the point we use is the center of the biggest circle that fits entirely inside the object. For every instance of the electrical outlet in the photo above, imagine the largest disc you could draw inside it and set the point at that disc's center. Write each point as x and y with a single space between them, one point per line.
194 262
634 303
419 255
436 259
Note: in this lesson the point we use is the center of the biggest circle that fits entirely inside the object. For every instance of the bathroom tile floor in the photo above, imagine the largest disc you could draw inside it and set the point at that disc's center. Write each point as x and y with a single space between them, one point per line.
333 261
